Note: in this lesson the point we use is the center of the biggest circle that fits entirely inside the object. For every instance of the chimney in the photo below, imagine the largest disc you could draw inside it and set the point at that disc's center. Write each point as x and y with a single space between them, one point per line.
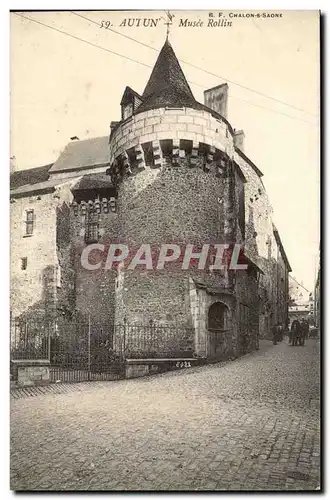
239 137
217 99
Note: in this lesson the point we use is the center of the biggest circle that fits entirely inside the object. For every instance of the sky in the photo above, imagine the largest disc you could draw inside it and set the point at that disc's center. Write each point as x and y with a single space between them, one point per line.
62 87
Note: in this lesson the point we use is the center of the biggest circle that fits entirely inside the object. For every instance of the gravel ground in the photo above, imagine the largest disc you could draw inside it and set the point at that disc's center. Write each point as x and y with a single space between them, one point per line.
248 424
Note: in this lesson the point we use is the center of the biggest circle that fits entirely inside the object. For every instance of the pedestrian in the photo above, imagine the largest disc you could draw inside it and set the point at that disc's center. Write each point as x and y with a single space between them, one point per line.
280 332
304 330
295 331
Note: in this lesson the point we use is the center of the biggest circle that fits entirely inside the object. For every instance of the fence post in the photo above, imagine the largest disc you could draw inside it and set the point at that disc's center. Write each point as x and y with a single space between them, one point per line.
14 326
149 340
89 346
25 333
124 340
49 342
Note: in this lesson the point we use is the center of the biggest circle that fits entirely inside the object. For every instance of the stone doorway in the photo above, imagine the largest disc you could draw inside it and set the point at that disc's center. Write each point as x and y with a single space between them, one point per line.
217 326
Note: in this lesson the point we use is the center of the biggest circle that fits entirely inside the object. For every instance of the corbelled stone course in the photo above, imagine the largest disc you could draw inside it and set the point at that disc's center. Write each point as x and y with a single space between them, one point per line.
188 124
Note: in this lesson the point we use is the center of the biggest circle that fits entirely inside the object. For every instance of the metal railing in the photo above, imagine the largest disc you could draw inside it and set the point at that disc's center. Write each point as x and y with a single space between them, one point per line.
29 340
157 341
94 345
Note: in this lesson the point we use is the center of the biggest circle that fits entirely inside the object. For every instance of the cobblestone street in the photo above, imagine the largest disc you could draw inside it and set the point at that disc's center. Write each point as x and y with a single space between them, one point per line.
248 424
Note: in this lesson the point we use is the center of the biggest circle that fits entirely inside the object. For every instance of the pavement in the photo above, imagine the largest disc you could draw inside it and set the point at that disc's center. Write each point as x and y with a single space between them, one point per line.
245 425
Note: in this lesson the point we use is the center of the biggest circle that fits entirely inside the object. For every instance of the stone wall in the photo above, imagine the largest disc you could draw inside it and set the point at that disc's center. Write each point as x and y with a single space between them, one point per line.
161 124
34 290
247 310
174 205
175 201
258 215
94 289
54 282
282 295
262 249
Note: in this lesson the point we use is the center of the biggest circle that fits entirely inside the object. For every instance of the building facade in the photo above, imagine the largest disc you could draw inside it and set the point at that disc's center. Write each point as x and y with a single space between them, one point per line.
173 171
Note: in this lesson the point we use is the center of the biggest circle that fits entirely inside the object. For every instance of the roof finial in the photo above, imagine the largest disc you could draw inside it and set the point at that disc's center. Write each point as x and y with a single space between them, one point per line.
168 23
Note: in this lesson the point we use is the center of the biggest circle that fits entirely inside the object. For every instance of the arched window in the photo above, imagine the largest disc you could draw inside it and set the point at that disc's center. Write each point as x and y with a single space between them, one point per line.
217 316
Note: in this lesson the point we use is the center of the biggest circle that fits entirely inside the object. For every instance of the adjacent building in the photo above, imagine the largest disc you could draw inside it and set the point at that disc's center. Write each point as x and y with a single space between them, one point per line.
301 305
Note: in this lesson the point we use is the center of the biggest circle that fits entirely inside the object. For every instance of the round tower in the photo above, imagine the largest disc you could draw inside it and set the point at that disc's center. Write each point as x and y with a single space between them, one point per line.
171 162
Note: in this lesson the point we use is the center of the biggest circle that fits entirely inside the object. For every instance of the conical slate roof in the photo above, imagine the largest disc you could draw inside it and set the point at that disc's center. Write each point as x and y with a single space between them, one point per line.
167 85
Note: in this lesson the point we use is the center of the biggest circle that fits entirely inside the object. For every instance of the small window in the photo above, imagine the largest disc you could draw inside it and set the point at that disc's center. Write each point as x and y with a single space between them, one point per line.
127 111
29 222
91 227
23 263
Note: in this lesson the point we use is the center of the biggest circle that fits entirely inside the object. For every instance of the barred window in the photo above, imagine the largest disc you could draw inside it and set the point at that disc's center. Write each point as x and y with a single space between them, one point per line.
29 222
91 227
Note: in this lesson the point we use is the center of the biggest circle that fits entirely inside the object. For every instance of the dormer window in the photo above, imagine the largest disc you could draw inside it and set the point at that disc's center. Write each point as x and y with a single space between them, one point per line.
127 111
131 100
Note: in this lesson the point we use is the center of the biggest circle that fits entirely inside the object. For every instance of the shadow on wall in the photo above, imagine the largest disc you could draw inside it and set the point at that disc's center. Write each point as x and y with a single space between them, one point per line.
251 235
66 272
45 308
272 293
57 281
54 303
256 309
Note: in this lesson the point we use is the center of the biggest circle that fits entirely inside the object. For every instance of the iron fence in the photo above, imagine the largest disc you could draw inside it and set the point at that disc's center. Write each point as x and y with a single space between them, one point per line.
157 341
29 340
89 350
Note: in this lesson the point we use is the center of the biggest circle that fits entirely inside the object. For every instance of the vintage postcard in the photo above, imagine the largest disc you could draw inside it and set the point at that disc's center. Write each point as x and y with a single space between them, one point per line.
165 250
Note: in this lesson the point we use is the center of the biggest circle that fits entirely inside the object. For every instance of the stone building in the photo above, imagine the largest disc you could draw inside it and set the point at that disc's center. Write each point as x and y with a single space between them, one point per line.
173 171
